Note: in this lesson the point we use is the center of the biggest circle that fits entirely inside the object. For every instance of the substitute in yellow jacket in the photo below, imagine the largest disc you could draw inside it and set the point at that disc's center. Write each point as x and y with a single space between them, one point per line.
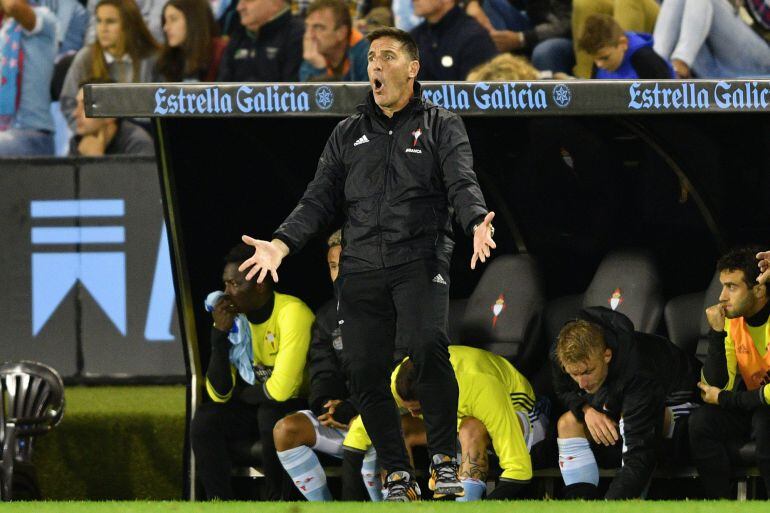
736 410
255 376
496 406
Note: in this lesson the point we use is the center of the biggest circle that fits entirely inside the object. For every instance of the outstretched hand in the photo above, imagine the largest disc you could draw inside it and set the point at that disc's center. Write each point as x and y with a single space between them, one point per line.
267 257
482 240
764 266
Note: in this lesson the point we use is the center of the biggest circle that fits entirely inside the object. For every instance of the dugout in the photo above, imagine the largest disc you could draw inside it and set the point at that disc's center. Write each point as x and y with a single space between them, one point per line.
573 169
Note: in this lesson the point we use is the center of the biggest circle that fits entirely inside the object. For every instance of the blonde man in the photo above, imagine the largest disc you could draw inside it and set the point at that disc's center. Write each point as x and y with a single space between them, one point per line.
625 391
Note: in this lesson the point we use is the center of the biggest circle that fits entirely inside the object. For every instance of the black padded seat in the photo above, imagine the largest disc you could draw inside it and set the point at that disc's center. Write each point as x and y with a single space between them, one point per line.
504 313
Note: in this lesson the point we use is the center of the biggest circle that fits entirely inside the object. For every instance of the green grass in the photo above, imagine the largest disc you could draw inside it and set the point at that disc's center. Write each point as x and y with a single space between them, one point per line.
425 507
120 443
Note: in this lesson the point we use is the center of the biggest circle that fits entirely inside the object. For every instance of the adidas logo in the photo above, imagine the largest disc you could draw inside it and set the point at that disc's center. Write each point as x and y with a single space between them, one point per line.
361 140
439 279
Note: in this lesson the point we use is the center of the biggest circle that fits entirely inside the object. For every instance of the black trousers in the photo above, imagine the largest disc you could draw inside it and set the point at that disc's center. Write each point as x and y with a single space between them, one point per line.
353 488
216 425
713 430
408 302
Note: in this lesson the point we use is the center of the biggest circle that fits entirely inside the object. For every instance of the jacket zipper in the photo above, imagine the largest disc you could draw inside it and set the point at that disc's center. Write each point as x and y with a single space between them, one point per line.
382 194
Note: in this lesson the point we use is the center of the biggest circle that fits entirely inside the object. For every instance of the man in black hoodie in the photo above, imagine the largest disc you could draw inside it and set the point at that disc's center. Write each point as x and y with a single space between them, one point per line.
625 391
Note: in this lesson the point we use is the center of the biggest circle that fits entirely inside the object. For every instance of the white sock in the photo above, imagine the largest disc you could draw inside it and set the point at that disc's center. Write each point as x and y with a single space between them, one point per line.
306 471
577 462
474 490
370 471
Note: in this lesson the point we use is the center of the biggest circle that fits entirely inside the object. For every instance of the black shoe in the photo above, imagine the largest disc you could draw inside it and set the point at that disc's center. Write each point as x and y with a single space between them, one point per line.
401 487
443 477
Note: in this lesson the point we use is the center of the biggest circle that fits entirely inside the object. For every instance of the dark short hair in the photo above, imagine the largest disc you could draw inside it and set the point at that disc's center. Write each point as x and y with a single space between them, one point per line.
337 7
239 253
406 381
405 38
744 259
599 30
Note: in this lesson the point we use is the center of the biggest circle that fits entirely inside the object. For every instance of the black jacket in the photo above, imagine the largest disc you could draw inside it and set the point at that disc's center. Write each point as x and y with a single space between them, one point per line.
646 372
395 180
327 373
274 54
452 47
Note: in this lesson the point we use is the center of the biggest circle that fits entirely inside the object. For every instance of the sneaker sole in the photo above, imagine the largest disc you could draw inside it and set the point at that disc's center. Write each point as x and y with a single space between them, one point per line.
444 491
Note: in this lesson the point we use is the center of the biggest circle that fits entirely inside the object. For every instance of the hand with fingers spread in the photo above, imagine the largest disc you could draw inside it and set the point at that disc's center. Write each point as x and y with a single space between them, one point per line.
267 257
764 266
603 429
482 240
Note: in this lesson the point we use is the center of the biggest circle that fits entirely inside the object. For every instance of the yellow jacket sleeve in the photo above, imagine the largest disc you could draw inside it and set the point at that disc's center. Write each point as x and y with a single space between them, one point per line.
494 409
295 322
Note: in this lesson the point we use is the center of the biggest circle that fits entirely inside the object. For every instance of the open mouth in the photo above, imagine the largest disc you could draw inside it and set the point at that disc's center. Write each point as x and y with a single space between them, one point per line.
377 83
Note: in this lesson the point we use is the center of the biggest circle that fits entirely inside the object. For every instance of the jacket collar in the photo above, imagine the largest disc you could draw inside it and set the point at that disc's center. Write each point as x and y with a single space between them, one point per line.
371 109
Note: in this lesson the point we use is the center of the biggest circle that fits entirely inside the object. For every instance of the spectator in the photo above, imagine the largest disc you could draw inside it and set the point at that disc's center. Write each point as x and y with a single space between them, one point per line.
72 23
621 55
28 33
450 42
96 137
631 15
402 12
151 10
507 67
540 28
332 49
259 345
378 17
124 51
192 50
709 38
266 47
734 413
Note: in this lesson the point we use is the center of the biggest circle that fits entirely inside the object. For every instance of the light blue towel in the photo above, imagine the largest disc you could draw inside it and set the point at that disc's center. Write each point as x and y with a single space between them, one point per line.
241 352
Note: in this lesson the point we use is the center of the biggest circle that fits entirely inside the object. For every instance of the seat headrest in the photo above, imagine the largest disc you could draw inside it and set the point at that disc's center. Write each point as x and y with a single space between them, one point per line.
710 297
508 296
628 281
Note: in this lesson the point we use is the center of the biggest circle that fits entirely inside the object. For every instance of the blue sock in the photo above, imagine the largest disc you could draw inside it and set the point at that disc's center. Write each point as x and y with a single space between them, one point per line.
371 473
474 490
577 461
306 471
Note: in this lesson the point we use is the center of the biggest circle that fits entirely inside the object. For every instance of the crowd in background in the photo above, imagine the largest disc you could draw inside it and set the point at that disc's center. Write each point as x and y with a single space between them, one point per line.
50 48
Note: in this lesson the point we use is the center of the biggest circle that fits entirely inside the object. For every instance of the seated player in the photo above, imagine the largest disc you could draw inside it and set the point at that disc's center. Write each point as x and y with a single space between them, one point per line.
259 344
496 407
323 427
737 409
625 392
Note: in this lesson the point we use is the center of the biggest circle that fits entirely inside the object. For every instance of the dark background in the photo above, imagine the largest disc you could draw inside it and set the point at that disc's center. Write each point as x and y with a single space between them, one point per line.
566 190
